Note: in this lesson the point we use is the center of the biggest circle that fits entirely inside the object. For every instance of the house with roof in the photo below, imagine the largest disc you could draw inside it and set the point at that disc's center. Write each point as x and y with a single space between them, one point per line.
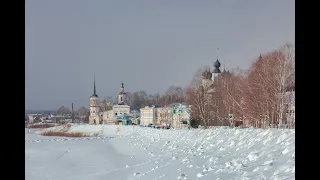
173 115
148 115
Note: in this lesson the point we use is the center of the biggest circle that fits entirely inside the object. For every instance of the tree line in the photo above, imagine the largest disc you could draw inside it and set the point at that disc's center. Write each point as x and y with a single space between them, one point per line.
141 99
257 97
80 115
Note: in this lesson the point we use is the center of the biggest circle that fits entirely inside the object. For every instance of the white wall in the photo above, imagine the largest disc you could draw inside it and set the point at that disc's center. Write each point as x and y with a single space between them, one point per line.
108 116
94 118
147 116
94 106
164 115
121 109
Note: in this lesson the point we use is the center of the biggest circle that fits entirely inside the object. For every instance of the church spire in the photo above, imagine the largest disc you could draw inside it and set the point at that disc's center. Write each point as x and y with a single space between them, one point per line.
94 88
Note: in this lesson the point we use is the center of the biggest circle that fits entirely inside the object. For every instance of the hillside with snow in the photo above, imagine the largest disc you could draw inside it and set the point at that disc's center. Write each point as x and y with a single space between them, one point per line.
142 153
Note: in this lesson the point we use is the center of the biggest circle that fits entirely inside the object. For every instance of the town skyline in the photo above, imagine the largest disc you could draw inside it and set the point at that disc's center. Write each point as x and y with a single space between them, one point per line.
146 45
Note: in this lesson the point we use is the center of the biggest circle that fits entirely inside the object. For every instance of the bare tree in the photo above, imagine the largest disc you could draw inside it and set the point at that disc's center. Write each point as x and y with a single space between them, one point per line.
82 114
198 97
157 98
174 94
150 100
105 106
224 86
63 112
129 98
268 78
256 96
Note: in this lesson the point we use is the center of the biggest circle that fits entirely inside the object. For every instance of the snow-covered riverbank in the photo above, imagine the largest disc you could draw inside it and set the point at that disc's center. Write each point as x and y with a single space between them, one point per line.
127 152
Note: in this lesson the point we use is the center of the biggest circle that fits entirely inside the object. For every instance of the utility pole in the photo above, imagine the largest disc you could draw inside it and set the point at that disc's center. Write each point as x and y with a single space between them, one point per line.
72 118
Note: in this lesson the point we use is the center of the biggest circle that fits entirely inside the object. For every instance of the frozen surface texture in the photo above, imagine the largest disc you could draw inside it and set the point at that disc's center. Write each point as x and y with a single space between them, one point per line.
127 153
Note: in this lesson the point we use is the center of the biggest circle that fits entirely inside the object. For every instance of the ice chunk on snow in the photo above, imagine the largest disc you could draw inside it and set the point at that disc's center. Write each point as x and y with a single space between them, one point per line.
285 151
201 174
205 169
253 156
182 176
269 162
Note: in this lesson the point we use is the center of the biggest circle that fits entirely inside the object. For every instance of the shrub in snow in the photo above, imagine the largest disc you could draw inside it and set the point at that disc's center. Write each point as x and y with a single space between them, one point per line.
65 134
194 123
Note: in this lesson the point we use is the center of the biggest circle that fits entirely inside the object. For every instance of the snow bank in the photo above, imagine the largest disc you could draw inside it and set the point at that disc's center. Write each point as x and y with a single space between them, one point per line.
102 130
223 153
217 153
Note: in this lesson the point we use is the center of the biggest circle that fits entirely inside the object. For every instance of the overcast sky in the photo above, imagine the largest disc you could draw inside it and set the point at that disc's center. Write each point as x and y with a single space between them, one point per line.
146 44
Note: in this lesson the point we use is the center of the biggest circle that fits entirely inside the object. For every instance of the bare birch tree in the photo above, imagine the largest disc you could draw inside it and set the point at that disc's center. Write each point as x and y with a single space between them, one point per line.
198 97
268 79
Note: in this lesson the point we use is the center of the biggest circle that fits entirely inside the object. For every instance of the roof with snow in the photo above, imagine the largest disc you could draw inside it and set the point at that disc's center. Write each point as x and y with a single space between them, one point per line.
121 106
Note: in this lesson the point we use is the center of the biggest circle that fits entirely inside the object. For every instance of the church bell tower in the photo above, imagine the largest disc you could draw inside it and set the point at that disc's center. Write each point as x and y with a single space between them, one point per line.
94 106
121 95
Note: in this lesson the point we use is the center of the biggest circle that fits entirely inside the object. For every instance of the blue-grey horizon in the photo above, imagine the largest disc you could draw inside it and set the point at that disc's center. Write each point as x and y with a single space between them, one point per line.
147 45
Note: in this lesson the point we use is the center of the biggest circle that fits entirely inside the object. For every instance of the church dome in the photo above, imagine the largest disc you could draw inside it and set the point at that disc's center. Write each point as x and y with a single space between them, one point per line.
217 64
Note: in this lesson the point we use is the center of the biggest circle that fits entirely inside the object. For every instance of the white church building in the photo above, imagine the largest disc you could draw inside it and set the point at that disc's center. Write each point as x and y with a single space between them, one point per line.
110 116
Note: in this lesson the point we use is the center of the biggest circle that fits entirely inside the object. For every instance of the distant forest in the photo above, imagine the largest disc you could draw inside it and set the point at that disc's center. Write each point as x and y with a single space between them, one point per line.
44 112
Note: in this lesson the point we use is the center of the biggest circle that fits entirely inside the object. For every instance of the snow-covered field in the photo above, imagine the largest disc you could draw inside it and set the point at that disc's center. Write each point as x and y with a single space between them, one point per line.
135 153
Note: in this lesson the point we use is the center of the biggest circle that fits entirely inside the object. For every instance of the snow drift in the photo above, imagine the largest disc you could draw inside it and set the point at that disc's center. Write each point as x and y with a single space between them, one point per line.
127 152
